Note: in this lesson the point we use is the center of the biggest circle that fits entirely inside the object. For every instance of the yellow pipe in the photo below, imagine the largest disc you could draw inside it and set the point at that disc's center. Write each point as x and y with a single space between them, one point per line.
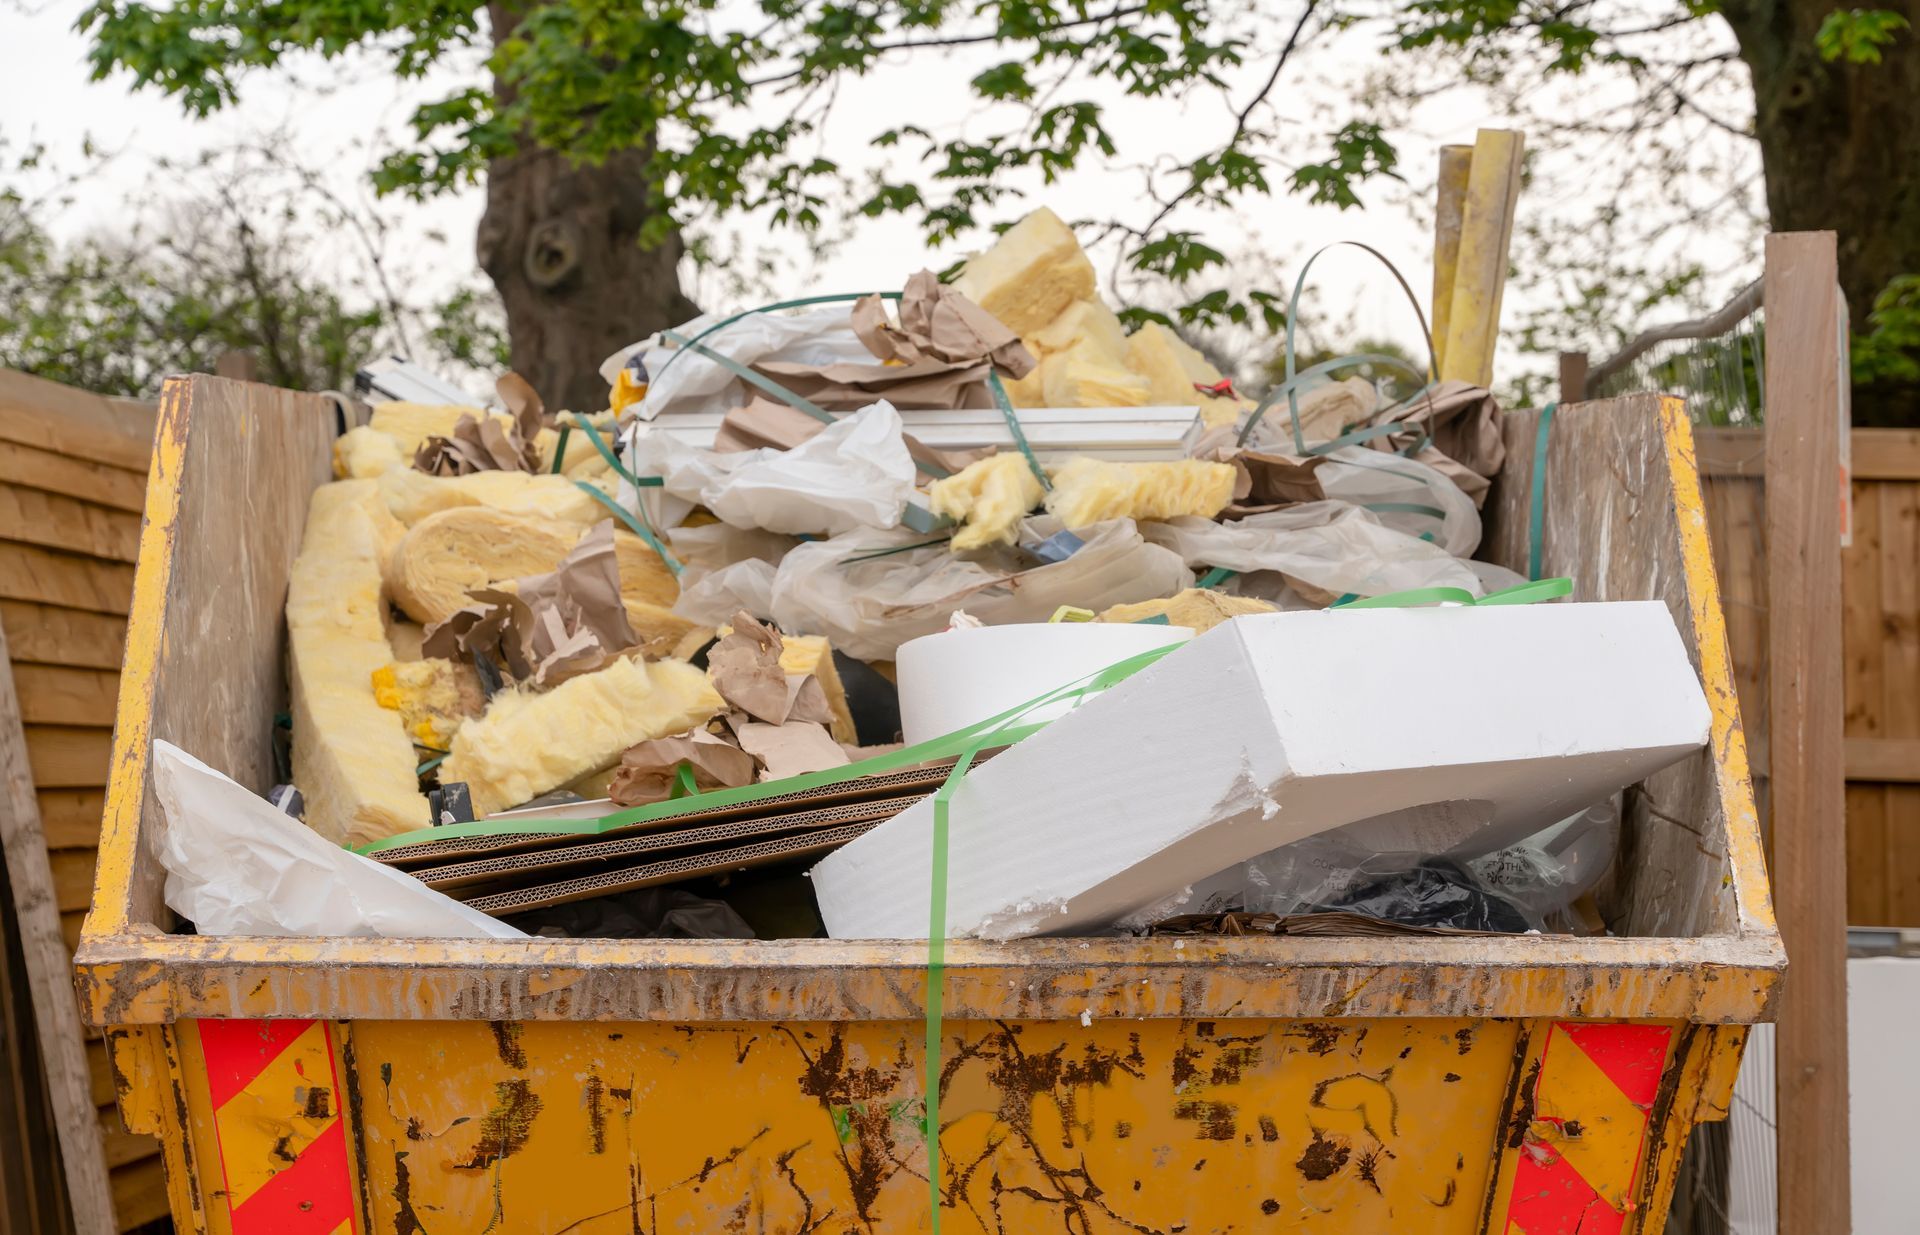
1480 278
1455 164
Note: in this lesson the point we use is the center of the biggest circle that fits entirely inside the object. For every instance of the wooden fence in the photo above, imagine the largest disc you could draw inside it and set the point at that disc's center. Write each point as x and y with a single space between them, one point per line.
1880 639
73 473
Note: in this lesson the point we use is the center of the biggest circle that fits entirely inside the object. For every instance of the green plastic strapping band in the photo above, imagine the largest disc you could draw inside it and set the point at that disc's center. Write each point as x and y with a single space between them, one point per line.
642 530
918 544
1406 508
1215 577
777 305
751 378
560 448
1537 513
1518 594
684 786
1289 384
937 972
613 460
1005 405
430 765
1000 730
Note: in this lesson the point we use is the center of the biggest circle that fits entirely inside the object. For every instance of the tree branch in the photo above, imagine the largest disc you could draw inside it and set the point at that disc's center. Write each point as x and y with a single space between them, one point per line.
965 40
1241 121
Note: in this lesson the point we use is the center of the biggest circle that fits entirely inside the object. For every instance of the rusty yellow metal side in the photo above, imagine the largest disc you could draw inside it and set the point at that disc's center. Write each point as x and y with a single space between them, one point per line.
1745 854
1154 1127
109 911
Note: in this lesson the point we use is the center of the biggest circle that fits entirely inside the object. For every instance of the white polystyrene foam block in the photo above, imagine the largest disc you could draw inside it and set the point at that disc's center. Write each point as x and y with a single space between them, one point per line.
1443 730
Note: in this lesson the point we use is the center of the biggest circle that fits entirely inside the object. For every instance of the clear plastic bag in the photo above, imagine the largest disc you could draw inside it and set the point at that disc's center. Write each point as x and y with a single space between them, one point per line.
1328 873
1405 495
1333 547
1527 886
869 592
715 596
695 383
856 473
1551 869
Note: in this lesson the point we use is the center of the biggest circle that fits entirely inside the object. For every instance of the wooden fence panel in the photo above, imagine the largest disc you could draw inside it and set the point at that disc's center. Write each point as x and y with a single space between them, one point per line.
72 477
1880 594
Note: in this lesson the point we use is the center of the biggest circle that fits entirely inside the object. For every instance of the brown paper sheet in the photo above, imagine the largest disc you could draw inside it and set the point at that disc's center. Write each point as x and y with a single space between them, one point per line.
792 749
939 324
745 669
552 626
763 423
1464 424
648 772
848 387
1266 481
483 444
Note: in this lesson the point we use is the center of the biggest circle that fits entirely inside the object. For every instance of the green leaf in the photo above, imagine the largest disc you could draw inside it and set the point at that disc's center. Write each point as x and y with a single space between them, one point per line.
1857 35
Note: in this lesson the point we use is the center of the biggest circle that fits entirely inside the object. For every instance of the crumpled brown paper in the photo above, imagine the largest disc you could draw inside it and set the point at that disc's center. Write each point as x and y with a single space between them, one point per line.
648 771
1263 480
937 357
1463 422
937 323
1266 481
745 669
549 627
792 749
483 444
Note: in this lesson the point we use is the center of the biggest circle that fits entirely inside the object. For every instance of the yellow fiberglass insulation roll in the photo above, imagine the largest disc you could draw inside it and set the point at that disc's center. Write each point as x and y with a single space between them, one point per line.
643 576
447 555
528 743
989 496
1087 491
412 495
352 759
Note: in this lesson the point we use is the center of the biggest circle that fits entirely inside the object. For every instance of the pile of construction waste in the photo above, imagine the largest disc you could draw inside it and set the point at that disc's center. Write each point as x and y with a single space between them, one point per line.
547 660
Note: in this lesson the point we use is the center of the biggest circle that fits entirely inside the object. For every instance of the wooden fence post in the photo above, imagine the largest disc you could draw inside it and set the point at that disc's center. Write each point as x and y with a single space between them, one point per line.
1573 377
1806 714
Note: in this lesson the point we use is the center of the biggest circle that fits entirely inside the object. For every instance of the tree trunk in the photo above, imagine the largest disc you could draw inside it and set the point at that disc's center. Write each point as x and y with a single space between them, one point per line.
1840 143
561 244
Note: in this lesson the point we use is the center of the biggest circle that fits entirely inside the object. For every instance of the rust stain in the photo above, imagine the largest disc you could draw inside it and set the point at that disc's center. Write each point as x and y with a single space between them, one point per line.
1269 1131
1463 1036
1323 1157
1450 1078
506 1039
506 1127
865 1126
828 1077
1232 1063
596 1115
1184 1064
1321 1039
405 1221
1216 1119
1366 1167
1269 1207
318 1102
1523 1112
1122 1130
